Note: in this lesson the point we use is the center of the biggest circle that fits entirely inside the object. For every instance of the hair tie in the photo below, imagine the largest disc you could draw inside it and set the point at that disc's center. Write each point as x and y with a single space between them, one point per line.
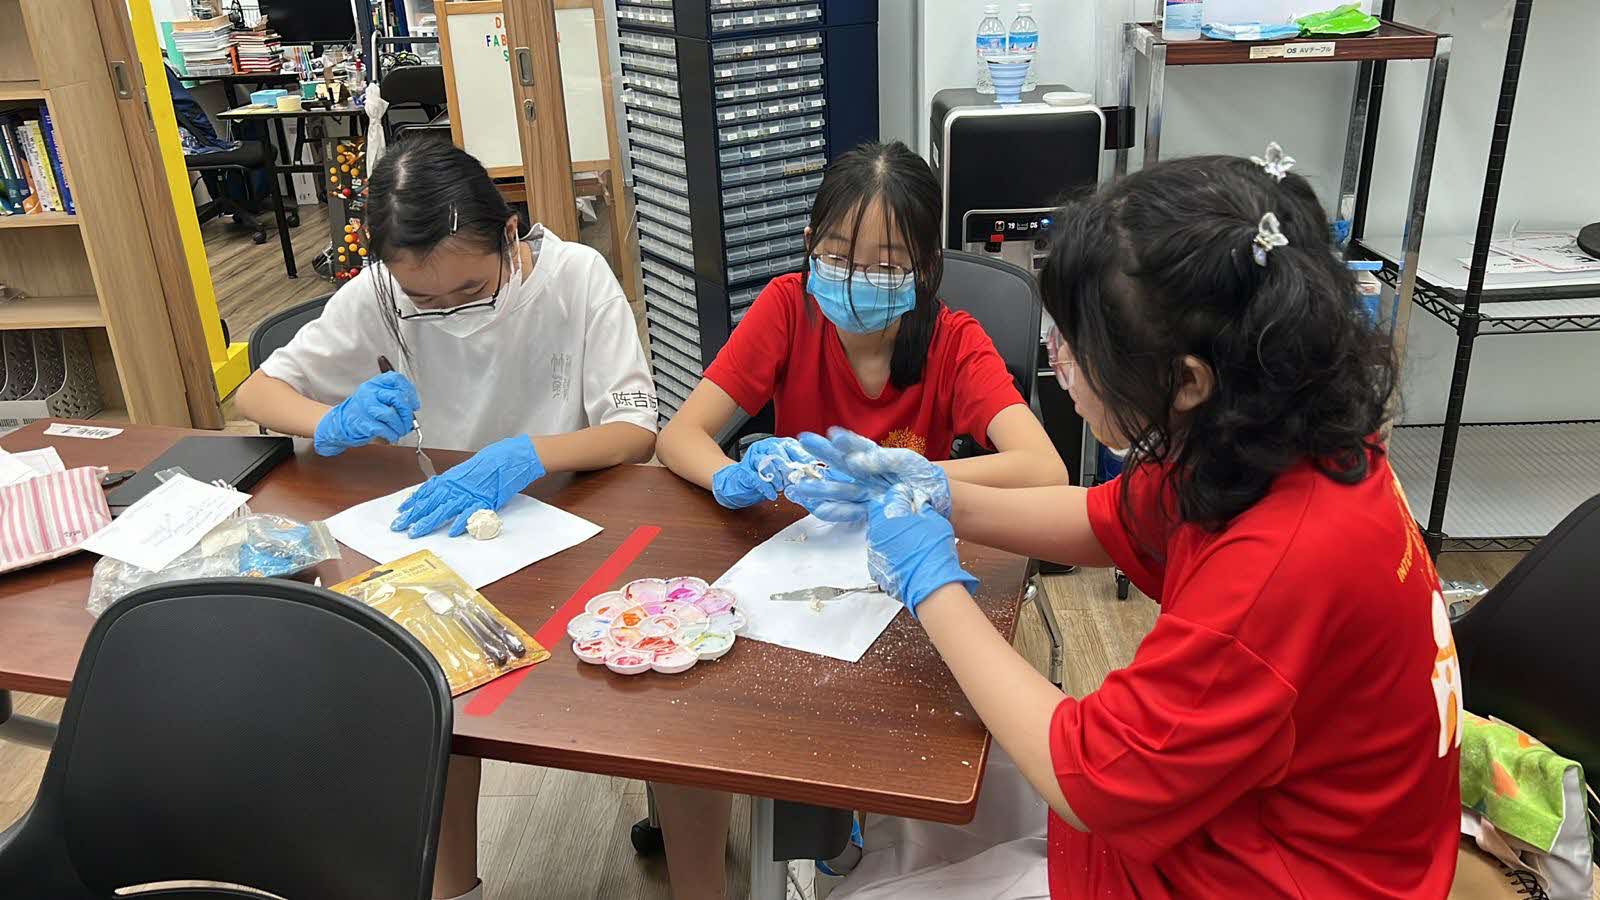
1268 236
1277 163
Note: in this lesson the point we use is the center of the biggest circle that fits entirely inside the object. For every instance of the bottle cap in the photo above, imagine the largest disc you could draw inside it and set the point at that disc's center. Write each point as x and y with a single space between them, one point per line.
991 9
1024 8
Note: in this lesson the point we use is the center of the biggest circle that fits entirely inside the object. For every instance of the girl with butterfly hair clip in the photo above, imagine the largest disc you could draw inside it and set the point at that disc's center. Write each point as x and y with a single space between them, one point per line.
1290 727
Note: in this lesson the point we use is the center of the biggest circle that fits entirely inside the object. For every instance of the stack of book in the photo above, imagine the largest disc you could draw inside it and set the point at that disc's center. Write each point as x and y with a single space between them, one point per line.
259 49
204 46
32 179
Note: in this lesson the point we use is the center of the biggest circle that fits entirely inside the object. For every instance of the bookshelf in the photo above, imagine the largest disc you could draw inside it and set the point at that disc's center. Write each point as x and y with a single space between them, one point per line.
98 271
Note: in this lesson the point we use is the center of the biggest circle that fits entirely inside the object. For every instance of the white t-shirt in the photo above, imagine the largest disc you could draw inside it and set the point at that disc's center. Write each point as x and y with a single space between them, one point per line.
563 356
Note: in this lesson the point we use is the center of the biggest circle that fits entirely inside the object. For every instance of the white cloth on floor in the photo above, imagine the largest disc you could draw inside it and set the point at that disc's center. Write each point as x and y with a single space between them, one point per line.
1000 855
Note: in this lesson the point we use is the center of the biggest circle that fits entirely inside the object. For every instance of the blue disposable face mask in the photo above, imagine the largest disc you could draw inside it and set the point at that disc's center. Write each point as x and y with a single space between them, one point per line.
857 305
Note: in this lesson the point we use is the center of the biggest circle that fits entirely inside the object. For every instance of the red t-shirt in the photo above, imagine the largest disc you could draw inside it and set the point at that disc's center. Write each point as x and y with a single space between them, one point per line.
1290 726
786 350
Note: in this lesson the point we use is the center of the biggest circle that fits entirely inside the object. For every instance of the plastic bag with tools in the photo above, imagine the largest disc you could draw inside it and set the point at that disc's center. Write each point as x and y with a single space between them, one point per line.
258 545
472 640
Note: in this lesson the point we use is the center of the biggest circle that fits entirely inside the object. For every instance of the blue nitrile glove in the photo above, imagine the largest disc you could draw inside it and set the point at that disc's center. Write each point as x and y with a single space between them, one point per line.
488 480
382 407
860 471
911 549
760 475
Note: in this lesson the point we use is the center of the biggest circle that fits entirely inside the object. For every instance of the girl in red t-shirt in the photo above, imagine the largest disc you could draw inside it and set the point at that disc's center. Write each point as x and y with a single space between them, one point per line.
1290 725
859 340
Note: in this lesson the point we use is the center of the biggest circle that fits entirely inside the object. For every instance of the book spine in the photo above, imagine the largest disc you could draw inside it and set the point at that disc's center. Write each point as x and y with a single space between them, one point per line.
41 158
22 197
30 198
9 184
41 189
57 168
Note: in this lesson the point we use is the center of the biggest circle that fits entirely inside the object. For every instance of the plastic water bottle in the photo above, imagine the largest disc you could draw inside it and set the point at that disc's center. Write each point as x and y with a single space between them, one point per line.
1023 37
991 42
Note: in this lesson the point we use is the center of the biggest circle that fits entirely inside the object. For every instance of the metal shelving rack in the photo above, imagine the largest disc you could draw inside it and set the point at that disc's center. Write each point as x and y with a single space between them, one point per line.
1513 481
1371 53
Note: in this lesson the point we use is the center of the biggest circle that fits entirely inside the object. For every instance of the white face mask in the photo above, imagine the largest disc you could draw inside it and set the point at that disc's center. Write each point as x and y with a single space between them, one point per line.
469 322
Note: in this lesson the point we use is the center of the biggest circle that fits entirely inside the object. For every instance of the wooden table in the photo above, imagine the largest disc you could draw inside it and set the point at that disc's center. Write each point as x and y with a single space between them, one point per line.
288 158
890 734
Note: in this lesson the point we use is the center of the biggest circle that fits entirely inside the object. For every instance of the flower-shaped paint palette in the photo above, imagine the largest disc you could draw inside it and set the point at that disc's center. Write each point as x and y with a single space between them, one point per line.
665 624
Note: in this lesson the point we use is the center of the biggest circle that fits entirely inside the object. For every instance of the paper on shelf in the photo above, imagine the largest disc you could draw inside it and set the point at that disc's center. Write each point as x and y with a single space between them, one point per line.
530 531
811 553
162 524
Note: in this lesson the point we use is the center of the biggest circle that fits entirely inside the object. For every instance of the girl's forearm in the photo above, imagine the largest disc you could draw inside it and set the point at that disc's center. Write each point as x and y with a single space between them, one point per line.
1010 468
595 447
1050 523
691 453
276 406
1012 699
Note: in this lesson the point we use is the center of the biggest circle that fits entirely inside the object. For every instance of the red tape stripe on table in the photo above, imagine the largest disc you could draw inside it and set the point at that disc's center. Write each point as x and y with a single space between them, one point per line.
489 697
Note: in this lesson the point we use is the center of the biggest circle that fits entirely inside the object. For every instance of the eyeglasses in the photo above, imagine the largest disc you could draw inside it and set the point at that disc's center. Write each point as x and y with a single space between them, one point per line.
499 283
833 267
1061 362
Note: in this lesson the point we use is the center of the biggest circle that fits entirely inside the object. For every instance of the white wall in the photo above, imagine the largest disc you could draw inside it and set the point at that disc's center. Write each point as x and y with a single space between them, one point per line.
1551 177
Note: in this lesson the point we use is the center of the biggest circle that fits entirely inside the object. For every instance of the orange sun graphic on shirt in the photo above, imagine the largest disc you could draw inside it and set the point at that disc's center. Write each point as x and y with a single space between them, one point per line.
908 439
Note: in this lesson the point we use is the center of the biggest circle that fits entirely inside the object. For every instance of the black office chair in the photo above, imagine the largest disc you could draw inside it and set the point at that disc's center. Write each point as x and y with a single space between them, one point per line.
243 162
413 87
263 734
280 328
1527 648
1005 301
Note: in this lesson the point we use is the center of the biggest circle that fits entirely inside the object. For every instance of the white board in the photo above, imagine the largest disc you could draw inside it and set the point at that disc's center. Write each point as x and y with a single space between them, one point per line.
581 86
487 106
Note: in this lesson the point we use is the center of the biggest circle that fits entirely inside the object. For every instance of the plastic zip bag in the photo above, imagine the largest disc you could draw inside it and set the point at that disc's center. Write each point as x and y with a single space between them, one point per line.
256 545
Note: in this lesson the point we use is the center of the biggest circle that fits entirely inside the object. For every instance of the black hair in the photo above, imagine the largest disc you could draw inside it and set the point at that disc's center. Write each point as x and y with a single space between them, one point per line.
1158 266
426 193
912 200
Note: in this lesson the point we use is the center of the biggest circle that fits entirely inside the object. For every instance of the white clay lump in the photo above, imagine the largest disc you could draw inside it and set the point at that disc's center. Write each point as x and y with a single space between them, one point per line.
484 524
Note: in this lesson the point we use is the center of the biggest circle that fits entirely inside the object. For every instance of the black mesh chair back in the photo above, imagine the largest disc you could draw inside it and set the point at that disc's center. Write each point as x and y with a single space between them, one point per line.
258 733
1527 648
420 85
1005 301
280 328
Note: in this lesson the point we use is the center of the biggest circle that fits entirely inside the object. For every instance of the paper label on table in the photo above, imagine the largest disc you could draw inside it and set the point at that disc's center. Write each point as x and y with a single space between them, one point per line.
93 432
811 553
530 531
164 523
16 468
1315 50
1272 51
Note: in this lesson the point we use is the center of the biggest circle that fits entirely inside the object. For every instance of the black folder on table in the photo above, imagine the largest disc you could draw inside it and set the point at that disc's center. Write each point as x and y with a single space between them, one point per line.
239 460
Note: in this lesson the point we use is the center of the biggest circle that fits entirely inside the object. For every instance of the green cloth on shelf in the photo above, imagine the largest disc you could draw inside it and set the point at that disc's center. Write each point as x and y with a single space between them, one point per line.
1513 781
1343 20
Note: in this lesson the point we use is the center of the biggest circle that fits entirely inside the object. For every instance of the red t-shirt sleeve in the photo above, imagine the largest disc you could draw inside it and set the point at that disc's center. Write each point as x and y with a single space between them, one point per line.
1129 551
749 365
982 385
1196 721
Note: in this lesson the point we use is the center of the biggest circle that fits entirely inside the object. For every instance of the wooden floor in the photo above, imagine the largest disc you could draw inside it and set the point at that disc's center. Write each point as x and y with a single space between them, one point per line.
250 279
547 834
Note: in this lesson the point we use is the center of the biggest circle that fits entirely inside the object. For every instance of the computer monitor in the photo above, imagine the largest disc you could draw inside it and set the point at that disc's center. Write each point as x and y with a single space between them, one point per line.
311 21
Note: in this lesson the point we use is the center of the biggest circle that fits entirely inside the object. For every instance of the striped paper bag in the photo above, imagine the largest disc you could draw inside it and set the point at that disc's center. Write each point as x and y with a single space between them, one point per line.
50 516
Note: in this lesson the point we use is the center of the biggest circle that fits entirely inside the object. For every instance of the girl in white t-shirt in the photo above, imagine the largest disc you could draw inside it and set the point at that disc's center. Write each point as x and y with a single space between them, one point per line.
523 350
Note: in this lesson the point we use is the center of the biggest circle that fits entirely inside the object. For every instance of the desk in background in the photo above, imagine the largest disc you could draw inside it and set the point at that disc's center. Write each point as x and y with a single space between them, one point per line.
891 734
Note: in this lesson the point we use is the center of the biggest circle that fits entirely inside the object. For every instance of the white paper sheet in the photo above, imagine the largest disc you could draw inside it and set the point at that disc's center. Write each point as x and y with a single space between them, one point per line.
29 464
829 555
532 531
164 523
93 432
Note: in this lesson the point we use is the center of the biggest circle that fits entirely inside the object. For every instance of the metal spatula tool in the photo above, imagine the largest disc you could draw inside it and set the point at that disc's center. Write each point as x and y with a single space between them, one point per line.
423 462
822 593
